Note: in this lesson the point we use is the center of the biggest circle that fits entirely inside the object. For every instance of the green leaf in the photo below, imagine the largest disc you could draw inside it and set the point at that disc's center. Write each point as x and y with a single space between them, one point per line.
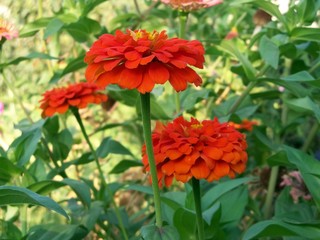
302 76
125 165
279 159
156 110
7 170
111 146
151 232
184 221
269 52
74 64
82 29
57 232
217 191
295 88
127 97
270 8
32 55
25 145
238 198
90 5
278 228
306 34
53 27
213 214
140 188
80 188
191 96
16 195
32 28
231 48
304 105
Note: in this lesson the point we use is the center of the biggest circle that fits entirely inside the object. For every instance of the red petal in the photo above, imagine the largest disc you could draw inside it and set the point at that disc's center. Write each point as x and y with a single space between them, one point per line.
130 78
178 79
158 72
93 71
111 64
213 152
200 170
221 169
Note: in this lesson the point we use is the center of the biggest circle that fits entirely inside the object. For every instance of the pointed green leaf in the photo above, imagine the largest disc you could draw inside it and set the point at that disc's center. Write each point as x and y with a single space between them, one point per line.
17 195
111 146
269 52
152 232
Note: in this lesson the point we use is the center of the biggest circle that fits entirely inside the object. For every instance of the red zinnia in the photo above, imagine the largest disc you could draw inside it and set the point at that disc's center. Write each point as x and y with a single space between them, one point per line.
208 150
140 59
244 125
79 95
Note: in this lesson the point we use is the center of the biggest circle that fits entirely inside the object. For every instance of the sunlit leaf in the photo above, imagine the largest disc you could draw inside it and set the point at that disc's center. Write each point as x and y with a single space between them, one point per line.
125 165
278 228
109 146
10 195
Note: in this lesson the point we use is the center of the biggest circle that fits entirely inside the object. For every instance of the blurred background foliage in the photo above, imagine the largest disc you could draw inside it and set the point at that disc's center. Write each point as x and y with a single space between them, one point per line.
262 64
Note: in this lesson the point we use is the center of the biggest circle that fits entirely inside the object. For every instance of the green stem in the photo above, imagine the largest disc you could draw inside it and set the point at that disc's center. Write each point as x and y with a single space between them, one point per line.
244 94
24 219
270 192
16 96
146 121
102 178
197 202
312 133
183 17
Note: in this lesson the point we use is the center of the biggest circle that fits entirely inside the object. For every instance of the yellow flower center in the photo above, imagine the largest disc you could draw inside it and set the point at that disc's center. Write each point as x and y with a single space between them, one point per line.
136 35
196 126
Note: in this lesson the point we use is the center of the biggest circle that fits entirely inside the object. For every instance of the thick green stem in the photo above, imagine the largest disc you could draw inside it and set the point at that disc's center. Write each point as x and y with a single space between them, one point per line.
197 202
102 178
244 94
183 17
146 121
311 135
270 192
24 219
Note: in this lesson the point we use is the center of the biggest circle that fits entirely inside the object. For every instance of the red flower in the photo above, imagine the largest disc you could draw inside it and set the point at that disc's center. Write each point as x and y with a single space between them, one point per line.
79 95
244 125
189 5
139 59
208 150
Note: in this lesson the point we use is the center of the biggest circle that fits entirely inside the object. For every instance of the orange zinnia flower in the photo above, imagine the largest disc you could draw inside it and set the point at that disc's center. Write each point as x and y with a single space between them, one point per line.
190 5
208 150
244 125
140 59
79 95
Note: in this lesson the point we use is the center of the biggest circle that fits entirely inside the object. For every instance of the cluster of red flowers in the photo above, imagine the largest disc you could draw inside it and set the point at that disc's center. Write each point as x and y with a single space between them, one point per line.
140 59
204 150
79 95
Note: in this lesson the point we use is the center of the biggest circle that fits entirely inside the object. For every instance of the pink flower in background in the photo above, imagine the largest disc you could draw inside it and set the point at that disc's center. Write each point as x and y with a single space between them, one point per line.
189 5
7 30
1 107
298 188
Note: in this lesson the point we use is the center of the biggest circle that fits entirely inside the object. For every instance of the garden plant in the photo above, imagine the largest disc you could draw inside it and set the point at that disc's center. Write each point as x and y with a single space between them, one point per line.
159 120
